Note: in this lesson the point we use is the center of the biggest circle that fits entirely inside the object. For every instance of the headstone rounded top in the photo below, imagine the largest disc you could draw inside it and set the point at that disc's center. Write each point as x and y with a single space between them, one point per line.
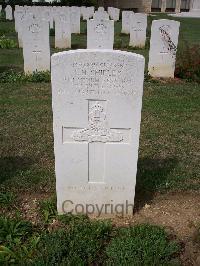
65 53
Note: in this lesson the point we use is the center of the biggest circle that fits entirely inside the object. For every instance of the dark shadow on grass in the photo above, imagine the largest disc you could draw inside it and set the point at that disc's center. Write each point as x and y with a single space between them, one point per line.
78 46
152 175
5 68
11 166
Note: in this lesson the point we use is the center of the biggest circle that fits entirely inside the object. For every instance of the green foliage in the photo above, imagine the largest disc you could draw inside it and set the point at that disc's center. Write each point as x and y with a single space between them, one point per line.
188 63
20 254
6 198
13 231
80 244
141 245
48 209
12 77
6 43
17 241
77 240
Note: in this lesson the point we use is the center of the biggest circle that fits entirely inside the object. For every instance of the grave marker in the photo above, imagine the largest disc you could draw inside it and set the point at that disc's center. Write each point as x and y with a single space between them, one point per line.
62 30
9 14
100 34
36 50
126 21
163 47
75 17
138 27
97 100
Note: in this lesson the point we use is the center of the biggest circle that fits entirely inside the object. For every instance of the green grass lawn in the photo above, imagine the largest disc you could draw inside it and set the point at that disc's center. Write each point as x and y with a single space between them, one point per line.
168 161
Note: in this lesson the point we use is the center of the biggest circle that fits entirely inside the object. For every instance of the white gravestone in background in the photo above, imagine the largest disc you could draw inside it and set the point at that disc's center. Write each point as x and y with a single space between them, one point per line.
163 47
97 101
86 13
9 14
126 21
114 13
100 34
101 15
82 10
138 28
18 13
19 25
62 30
36 50
91 8
101 8
75 17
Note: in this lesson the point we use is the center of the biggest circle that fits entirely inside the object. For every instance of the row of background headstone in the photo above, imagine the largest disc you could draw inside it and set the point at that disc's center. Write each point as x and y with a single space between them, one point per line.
32 24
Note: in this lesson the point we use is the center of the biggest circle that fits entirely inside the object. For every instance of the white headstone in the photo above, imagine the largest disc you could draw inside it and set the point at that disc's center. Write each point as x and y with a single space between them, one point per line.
82 10
101 9
101 15
100 34
163 47
138 28
97 101
62 30
0 8
18 13
9 14
75 19
20 16
36 50
126 21
91 8
86 14
114 13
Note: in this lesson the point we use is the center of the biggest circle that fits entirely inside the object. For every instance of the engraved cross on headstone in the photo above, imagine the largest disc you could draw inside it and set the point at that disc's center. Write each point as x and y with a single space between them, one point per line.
37 56
96 135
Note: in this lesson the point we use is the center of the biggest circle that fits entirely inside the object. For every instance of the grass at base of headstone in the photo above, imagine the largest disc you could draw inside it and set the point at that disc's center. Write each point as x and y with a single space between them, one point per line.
12 76
70 240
